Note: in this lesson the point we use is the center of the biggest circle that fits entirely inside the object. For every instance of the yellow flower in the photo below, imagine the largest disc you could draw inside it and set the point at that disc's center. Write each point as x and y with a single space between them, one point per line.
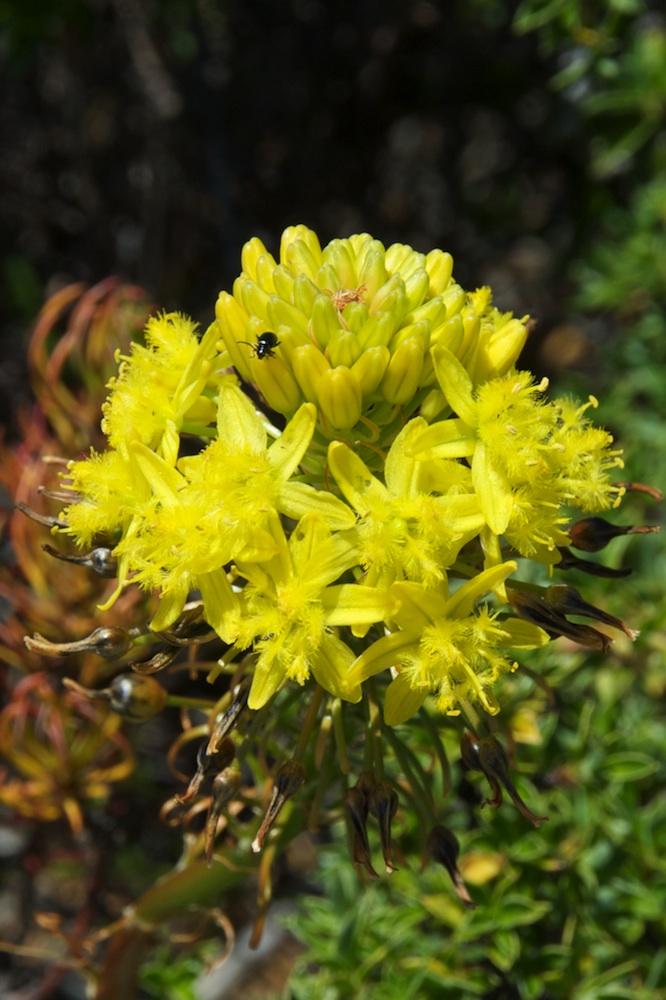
446 647
405 530
160 386
529 458
291 605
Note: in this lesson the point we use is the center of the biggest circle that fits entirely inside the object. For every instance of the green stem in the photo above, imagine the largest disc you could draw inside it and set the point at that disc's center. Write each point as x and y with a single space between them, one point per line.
416 776
308 725
339 733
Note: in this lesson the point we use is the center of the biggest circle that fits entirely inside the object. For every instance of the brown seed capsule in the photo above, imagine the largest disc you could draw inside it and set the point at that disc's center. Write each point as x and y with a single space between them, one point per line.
570 602
594 533
356 804
111 643
489 756
442 846
288 780
230 717
207 764
133 697
100 560
190 628
225 786
538 610
383 805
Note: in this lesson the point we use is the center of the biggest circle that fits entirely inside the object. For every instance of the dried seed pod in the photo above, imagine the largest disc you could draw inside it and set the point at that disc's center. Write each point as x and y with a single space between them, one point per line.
442 846
133 697
288 781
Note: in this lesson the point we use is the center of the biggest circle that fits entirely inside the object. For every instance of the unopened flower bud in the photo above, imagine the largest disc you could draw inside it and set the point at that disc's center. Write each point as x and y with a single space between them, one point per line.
442 846
594 533
324 321
340 398
343 348
276 384
288 781
371 368
439 266
403 374
499 352
309 364
378 331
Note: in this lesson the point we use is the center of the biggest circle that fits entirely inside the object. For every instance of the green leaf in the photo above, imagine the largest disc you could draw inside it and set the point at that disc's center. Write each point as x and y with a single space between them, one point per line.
632 765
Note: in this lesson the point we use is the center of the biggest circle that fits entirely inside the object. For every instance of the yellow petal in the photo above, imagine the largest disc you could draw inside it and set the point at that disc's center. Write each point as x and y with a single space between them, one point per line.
297 499
493 491
464 599
287 451
237 422
381 655
352 604
402 701
354 478
456 384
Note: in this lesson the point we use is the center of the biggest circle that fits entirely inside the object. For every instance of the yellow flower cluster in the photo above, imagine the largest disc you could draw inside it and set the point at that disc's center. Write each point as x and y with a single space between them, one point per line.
414 467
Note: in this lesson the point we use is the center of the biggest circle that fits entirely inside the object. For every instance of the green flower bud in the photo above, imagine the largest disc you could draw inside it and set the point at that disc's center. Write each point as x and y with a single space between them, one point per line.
450 334
340 398
403 374
372 271
309 364
253 251
439 266
283 282
276 384
342 263
416 288
355 315
305 293
371 368
283 313
378 330
255 299
343 348
324 321
300 248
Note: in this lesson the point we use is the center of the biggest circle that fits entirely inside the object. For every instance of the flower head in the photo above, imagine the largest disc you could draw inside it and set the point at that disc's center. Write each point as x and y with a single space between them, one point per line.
342 481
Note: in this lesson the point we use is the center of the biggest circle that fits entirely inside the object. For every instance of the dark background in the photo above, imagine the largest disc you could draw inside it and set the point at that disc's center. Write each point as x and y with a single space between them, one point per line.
150 140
